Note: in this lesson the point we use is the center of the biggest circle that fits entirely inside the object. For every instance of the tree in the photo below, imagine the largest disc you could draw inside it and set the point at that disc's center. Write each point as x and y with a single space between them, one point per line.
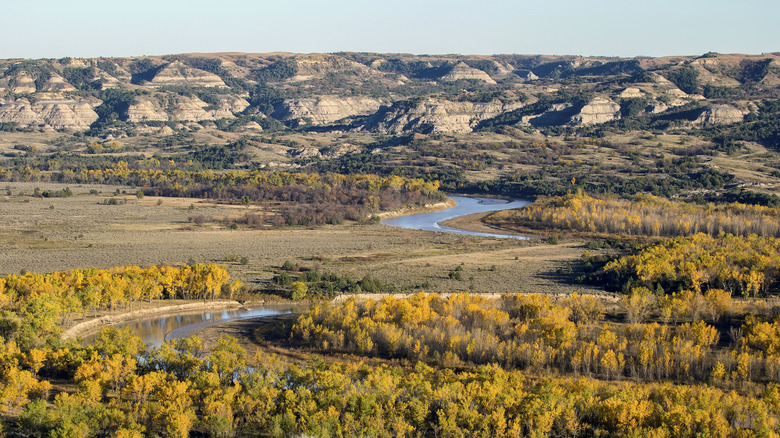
298 290
638 304
585 309
35 359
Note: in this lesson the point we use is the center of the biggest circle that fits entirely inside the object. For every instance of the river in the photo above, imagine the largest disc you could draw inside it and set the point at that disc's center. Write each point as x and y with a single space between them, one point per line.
431 221
156 329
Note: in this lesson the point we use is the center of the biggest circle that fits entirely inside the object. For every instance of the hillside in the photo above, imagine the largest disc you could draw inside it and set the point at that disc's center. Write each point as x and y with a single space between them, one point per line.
319 89
476 118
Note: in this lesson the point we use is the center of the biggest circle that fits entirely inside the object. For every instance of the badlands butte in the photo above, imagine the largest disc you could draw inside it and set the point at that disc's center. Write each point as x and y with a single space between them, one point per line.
382 93
516 125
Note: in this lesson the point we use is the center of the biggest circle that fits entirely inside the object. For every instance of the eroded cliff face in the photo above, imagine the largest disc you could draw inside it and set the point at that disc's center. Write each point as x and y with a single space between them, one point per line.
326 109
720 115
178 74
435 115
599 110
462 71
20 83
391 93
55 114
169 108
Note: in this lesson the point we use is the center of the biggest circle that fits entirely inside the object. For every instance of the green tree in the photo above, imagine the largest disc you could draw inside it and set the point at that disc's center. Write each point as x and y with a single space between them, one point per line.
298 290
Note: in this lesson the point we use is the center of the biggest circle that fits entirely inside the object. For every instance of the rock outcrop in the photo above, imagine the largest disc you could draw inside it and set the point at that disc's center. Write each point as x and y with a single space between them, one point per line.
146 109
251 126
108 81
434 115
22 83
528 75
340 150
57 84
318 66
173 107
326 109
599 110
720 115
462 71
631 92
306 152
657 107
19 112
228 106
326 152
177 73
56 114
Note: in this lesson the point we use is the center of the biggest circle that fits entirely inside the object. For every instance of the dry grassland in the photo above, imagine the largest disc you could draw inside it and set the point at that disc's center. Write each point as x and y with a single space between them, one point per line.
50 234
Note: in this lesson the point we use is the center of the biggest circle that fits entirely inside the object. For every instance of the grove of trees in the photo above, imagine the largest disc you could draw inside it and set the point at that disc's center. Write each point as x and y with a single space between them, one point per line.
35 307
645 215
533 333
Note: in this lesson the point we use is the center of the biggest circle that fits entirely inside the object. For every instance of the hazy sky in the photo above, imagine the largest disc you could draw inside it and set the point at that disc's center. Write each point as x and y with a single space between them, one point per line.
91 28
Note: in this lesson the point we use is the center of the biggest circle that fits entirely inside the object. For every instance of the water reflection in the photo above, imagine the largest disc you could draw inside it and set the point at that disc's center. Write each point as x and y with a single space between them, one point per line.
154 330
465 205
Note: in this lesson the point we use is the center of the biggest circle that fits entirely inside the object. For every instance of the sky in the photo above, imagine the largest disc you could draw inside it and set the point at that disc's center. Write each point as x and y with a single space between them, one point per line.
627 28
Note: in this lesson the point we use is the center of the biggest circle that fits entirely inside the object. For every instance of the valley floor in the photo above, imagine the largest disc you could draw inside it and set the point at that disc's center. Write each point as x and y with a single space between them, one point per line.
52 234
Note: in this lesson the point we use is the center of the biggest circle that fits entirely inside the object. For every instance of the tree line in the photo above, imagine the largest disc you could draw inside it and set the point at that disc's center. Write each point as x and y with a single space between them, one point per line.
644 215
740 265
34 307
572 337
306 198
125 390
469 365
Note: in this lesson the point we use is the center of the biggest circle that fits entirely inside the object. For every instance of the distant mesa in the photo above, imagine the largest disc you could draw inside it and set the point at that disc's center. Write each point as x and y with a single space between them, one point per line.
177 73
461 70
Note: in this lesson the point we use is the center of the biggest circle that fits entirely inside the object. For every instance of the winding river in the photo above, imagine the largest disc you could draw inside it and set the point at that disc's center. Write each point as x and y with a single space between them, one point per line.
155 330
431 220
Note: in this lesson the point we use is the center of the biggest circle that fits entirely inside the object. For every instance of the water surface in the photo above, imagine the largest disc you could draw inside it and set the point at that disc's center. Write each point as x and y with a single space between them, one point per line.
465 205
155 329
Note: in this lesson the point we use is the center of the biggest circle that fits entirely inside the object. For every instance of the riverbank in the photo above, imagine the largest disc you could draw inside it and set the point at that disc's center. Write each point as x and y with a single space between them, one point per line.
94 325
464 206
473 222
449 203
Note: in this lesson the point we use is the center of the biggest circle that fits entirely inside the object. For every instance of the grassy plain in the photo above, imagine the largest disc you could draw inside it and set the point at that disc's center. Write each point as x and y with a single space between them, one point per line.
51 234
